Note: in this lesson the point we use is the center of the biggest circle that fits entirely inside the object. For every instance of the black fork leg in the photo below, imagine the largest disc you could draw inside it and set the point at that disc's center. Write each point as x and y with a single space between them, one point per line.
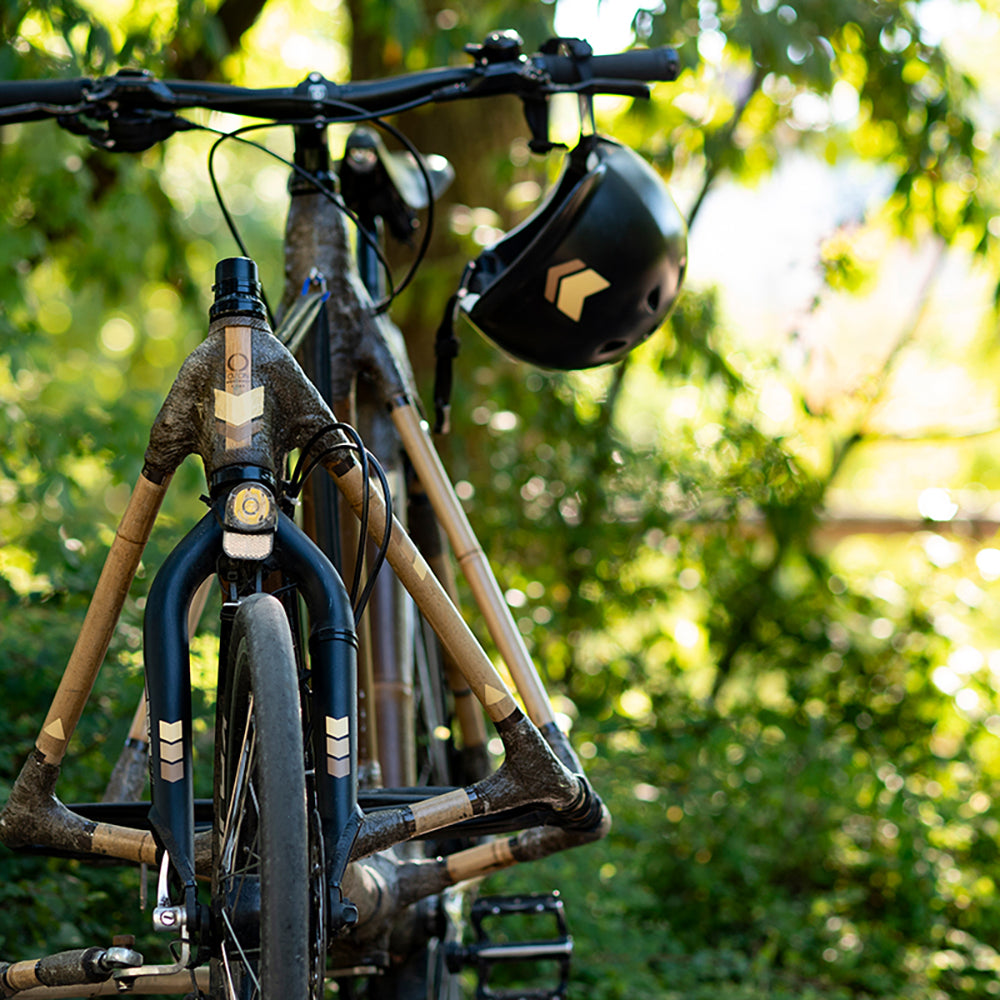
333 655
168 681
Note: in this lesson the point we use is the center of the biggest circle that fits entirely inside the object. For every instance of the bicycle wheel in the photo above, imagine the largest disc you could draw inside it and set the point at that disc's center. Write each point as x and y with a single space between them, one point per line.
261 875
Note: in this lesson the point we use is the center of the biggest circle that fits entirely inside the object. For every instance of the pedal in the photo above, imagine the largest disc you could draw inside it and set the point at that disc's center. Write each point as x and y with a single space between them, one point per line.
510 969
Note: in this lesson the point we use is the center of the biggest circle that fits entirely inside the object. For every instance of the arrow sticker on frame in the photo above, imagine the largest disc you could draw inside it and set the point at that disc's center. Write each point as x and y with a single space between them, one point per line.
171 750
235 411
493 695
55 730
338 746
569 285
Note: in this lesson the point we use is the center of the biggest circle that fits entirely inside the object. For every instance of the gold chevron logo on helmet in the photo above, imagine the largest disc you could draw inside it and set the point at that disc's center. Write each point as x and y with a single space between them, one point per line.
570 284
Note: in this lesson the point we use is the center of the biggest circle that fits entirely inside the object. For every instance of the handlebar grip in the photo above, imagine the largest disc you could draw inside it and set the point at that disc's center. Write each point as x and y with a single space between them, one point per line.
54 92
638 64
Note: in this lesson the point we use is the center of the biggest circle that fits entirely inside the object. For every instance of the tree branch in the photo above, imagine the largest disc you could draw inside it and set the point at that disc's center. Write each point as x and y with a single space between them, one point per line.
234 18
723 139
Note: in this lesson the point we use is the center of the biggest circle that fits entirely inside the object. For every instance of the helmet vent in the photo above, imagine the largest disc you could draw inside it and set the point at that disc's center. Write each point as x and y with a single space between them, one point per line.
613 346
653 299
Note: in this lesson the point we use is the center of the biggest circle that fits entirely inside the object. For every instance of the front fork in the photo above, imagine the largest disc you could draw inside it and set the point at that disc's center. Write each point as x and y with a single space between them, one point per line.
333 658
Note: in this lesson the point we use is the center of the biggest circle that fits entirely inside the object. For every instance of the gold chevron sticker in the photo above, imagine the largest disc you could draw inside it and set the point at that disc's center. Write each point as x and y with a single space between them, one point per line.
171 772
171 750
171 732
570 284
338 768
238 404
237 410
338 746
338 727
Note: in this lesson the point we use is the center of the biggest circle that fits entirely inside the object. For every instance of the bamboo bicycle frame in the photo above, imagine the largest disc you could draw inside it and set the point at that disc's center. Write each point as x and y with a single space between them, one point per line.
34 816
540 768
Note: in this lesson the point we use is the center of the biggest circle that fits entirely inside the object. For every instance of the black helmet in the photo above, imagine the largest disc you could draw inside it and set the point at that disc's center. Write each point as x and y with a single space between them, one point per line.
591 273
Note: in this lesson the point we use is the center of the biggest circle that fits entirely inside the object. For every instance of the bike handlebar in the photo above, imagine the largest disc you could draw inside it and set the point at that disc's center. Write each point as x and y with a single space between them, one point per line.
498 68
660 64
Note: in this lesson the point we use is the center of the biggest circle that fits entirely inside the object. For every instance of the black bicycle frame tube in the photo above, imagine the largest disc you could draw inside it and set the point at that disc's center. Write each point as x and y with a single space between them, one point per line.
168 682
369 265
333 651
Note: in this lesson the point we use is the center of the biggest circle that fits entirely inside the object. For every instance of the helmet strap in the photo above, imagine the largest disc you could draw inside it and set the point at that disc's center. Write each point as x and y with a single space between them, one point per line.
446 346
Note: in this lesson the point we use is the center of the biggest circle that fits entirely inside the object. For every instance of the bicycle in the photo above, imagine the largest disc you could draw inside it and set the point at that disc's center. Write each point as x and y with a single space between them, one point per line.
303 847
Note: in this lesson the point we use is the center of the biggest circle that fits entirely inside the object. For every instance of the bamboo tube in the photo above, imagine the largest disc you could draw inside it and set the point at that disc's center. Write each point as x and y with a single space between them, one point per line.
468 713
177 983
416 576
102 617
473 561
198 602
480 860
137 731
368 728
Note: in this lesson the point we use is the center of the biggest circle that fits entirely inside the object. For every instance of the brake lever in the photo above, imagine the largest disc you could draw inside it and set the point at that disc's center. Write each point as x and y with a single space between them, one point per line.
126 132
132 105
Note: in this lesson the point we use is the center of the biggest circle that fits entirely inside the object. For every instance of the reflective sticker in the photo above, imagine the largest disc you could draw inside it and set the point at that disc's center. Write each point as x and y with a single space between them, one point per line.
338 727
171 750
338 746
239 546
172 772
171 732
339 768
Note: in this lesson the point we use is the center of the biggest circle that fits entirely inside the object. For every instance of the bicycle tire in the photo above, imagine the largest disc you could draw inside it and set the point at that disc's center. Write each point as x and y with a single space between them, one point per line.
261 908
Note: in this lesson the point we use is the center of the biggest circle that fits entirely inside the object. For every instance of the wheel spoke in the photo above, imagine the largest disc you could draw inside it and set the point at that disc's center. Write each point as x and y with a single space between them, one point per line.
236 807
247 965
233 992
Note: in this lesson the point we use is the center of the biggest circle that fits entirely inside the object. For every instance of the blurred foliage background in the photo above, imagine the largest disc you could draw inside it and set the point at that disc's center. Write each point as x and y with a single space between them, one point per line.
756 562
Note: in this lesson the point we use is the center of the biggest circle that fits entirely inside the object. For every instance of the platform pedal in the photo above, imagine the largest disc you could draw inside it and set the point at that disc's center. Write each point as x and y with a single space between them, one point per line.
507 969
